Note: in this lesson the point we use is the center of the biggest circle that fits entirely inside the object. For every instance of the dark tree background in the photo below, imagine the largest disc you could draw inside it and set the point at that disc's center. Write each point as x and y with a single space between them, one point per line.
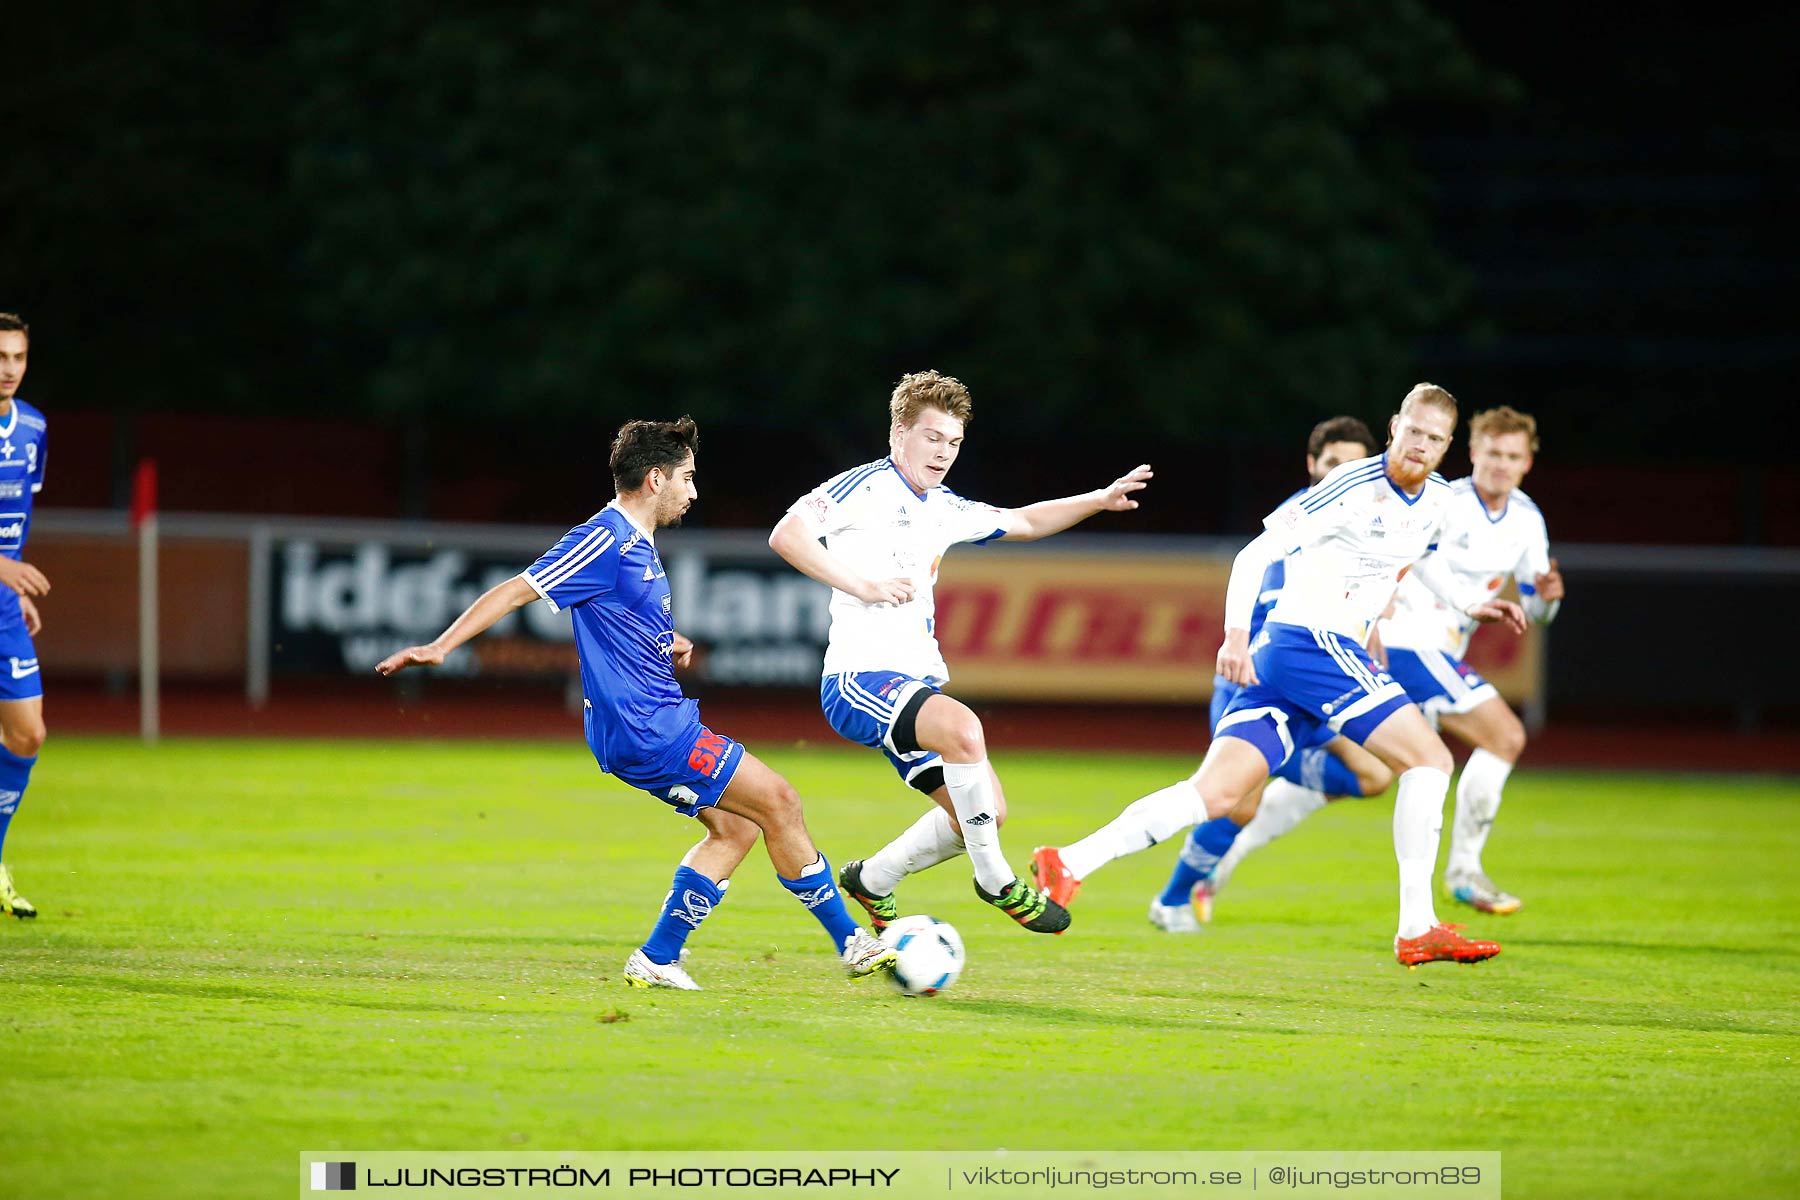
779 208
1125 224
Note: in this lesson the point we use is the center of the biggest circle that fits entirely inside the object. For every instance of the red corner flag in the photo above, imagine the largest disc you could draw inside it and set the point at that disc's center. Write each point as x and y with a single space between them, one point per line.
143 492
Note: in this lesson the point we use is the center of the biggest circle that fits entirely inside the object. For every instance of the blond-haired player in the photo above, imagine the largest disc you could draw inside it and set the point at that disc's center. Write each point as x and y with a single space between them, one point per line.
877 534
1495 533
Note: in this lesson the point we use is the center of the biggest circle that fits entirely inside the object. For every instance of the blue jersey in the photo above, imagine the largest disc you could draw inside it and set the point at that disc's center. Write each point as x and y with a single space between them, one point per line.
21 478
607 572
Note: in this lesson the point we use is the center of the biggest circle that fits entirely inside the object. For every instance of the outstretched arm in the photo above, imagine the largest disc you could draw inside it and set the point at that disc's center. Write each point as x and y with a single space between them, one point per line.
1053 516
794 542
493 604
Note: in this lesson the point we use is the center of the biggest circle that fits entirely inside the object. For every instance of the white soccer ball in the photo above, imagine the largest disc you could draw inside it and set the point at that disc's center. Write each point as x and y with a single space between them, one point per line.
931 954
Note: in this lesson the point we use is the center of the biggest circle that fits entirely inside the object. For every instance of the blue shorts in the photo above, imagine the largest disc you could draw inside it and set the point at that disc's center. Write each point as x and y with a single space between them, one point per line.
862 706
1438 683
1225 691
1312 681
689 771
19 678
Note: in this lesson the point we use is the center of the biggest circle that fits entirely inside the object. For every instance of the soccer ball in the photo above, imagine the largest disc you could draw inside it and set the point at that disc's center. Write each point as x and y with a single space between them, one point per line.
931 954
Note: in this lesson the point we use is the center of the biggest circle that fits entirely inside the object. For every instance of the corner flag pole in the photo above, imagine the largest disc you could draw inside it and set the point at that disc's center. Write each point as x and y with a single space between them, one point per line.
143 520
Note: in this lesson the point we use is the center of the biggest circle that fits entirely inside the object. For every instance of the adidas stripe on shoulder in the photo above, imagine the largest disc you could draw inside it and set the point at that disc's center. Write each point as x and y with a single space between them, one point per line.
840 486
1330 489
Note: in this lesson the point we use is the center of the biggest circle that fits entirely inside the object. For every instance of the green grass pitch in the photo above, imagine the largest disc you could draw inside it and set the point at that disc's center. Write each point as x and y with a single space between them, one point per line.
248 949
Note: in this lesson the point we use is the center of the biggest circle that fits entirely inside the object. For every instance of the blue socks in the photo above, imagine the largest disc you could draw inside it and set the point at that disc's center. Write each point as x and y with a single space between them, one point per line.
691 899
15 773
1322 771
1206 844
816 890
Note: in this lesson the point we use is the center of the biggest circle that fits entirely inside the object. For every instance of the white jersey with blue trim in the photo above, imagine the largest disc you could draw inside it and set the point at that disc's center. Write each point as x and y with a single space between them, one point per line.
1273 580
875 522
22 459
1481 550
1349 539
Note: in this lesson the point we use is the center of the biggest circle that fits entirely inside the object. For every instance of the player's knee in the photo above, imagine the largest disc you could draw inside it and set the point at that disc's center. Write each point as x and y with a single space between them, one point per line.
783 808
25 739
738 837
1438 758
1374 777
1214 795
963 740
1510 743
1241 811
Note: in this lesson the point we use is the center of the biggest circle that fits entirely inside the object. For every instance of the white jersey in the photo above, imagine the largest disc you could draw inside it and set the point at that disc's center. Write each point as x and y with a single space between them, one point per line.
1350 537
1481 551
878 526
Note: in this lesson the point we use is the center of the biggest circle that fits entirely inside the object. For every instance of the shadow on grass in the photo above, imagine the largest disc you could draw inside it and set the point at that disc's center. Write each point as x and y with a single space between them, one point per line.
229 991
1662 947
1062 1014
1601 1018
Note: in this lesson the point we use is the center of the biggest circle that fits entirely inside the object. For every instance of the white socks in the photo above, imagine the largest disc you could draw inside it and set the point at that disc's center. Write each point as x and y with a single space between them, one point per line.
1418 820
1477 802
972 795
929 841
1155 818
1283 806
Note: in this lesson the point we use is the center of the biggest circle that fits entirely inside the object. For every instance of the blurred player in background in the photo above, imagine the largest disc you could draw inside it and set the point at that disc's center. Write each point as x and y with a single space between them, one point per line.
1327 767
1347 541
1495 533
877 534
639 725
21 686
